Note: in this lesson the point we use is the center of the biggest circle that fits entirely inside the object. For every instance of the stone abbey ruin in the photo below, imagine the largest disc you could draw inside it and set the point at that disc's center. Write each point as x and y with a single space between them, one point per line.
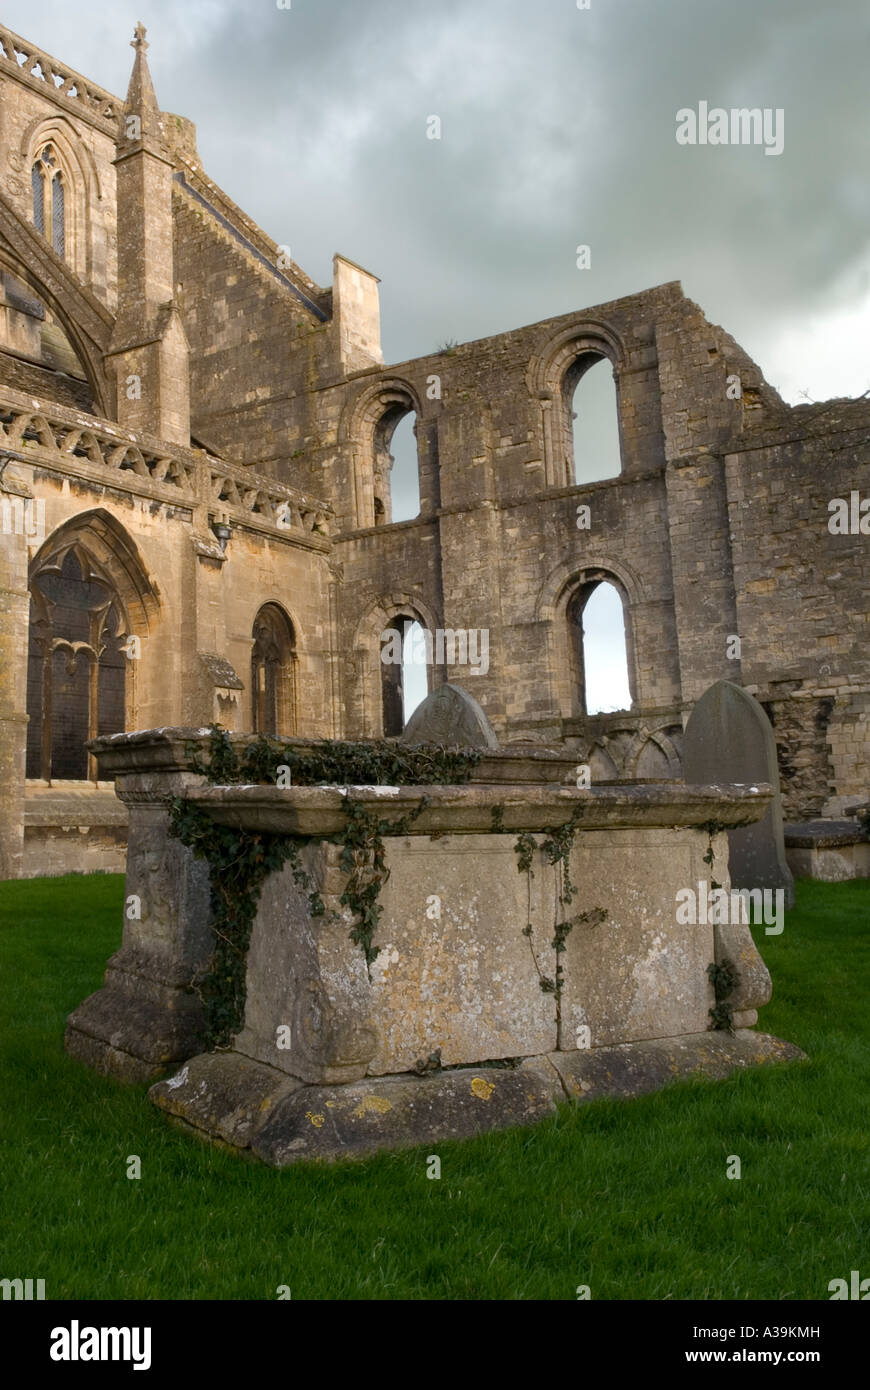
195 486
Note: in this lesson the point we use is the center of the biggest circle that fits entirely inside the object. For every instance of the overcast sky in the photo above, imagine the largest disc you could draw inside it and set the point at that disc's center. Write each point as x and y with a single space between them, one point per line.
558 128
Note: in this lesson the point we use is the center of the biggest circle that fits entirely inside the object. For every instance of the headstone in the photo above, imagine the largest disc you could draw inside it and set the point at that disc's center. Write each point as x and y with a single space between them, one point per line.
729 738
451 717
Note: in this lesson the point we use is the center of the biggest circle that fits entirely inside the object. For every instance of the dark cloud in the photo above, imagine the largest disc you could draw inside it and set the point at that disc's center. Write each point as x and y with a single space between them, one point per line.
558 127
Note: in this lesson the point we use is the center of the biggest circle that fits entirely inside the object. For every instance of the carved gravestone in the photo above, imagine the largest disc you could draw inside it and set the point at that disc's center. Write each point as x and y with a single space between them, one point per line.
729 738
451 717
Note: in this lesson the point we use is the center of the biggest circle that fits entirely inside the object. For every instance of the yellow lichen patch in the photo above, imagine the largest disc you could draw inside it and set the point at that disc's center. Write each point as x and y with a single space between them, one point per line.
330 1105
482 1089
316 1120
378 1105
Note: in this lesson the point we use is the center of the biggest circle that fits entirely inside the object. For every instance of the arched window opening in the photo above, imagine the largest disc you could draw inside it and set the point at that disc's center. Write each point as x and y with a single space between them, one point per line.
599 641
49 198
77 667
37 183
415 683
404 672
590 399
58 238
273 673
396 466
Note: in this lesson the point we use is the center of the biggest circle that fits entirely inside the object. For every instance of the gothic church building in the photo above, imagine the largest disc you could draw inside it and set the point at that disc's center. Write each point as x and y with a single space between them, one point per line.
196 515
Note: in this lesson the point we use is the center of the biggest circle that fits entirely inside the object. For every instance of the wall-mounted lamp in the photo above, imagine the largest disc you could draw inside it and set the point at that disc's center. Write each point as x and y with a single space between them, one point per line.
221 527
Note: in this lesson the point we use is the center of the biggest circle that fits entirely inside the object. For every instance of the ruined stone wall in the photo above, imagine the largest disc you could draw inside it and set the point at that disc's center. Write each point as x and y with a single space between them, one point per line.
801 590
715 531
380 575
848 738
802 729
802 598
508 549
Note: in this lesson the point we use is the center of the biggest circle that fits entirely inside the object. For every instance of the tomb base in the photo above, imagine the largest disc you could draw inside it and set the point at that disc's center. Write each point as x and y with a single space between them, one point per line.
231 1099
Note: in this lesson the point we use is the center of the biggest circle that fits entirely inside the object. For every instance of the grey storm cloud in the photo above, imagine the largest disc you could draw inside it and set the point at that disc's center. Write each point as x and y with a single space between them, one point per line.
558 128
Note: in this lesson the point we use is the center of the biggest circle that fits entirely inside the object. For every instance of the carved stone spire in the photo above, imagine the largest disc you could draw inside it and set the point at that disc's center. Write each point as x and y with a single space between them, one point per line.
141 118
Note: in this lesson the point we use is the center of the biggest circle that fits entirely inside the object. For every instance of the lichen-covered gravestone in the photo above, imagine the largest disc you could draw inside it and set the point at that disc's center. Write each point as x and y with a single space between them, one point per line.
452 718
729 738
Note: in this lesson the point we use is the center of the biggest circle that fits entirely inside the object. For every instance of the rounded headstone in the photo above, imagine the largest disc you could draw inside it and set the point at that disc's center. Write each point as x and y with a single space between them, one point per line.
449 716
729 738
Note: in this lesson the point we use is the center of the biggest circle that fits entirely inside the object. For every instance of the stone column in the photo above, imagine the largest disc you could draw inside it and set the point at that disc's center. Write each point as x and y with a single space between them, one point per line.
14 622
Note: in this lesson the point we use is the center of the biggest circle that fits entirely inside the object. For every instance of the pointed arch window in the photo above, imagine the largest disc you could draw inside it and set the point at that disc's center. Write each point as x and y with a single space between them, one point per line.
273 672
49 198
58 222
37 183
77 667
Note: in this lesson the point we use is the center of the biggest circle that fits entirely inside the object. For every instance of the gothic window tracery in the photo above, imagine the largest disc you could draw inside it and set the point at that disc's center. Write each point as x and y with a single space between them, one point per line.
49 198
76 675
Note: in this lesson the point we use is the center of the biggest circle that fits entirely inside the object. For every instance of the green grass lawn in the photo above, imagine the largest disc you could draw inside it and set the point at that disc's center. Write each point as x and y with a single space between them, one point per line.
629 1197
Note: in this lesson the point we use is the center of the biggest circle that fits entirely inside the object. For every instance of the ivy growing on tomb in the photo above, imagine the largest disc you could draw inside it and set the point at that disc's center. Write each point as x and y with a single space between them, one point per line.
331 762
556 848
240 860
724 978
